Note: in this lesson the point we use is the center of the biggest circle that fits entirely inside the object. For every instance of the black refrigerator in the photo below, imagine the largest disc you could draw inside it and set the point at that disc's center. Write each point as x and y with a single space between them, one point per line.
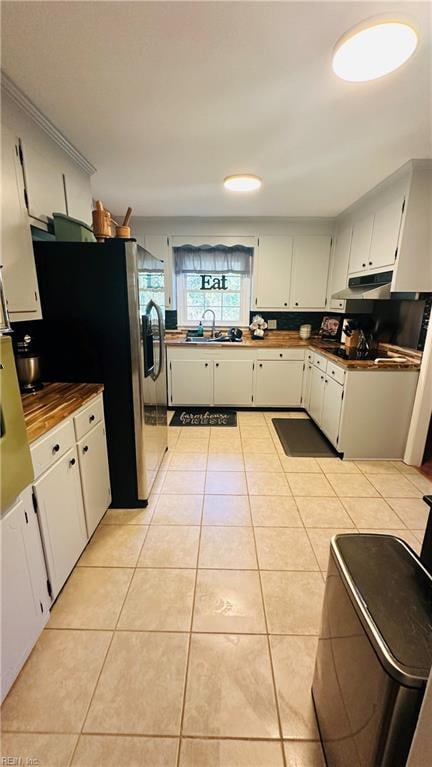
94 330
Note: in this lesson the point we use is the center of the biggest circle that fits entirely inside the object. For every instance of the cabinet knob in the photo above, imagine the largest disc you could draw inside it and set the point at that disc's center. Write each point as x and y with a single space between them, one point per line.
260 364
285 304
340 304
363 265
326 381
370 263
72 462
322 378
296 303
91 419
217 364
56 448
206 364
280 355
85 448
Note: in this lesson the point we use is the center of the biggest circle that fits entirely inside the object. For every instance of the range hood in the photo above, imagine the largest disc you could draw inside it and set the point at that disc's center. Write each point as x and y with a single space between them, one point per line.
373 287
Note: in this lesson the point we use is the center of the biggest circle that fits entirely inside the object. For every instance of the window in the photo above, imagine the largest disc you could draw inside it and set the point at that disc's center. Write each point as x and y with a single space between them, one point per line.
151 285
216 278
230 304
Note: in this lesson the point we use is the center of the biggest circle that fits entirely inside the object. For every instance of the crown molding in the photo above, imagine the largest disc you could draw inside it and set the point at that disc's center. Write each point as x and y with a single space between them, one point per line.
27 106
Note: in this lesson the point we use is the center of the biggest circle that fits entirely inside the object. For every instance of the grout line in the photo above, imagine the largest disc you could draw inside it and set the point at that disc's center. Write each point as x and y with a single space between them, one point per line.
270 653
190 641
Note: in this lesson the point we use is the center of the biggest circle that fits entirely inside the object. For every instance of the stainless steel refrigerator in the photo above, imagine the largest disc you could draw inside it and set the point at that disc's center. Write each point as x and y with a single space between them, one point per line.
95 330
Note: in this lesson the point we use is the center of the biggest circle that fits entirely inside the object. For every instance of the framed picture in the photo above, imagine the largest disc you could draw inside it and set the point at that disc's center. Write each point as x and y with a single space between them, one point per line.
330 327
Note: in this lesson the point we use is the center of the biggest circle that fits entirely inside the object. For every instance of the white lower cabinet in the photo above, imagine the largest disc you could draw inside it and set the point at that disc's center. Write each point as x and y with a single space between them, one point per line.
191 382
233 381
306 387
24 595
95 481
331 409
278 383
316 394
61 516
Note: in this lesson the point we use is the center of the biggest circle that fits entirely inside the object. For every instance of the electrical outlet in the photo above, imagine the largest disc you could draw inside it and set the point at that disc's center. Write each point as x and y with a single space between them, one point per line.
272 324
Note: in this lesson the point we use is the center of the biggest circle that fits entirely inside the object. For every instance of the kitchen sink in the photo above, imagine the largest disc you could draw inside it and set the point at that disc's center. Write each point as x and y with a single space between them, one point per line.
207 340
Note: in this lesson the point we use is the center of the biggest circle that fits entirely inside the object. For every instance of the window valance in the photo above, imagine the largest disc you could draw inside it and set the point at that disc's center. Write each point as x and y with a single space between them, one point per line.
223 259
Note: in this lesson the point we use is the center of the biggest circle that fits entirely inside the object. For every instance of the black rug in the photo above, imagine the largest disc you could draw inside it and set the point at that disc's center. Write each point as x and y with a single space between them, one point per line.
300 438
201 416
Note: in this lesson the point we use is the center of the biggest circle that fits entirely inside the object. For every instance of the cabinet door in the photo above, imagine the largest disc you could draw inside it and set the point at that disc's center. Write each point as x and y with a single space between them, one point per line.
78 194
233 382
311 256
385 235
158 246
278 383
316 394
24 595
61 518
306 389
339 271
360 244
43 164
272 278
191 382
331 409
19 272
95 481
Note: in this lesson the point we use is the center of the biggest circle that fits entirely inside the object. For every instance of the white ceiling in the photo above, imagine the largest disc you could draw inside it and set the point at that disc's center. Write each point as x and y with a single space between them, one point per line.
166 99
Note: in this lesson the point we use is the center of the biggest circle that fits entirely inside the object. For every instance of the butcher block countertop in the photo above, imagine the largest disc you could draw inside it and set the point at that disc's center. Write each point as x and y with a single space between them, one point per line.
52 404
286 339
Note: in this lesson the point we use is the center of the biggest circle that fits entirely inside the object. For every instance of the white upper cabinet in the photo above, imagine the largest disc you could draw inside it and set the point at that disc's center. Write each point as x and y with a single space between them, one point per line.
78 194
19 273
44 178
272 272
311 256
385 235
360 244
339 269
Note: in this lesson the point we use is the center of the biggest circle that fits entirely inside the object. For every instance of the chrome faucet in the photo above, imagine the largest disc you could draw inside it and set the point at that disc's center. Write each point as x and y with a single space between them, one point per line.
214 321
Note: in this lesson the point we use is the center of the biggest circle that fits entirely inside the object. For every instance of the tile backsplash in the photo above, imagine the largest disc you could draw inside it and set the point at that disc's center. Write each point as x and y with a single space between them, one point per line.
293 320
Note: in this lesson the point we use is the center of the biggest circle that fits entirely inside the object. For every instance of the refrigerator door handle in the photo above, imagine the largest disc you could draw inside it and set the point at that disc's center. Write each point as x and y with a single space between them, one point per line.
153 305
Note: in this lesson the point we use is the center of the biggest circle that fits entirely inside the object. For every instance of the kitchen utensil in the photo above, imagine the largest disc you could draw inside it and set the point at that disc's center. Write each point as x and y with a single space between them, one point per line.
28 365
102 222
235 334
123 230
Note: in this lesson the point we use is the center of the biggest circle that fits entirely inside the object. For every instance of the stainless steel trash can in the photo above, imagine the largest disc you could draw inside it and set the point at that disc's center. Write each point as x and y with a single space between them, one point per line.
374 652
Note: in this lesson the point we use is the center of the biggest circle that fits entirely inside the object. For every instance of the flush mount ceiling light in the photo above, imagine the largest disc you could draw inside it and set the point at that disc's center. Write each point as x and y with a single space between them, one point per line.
242 182
373 49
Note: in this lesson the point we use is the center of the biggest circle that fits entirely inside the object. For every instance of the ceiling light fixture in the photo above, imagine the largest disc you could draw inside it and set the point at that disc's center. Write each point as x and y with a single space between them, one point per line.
373 49
242 182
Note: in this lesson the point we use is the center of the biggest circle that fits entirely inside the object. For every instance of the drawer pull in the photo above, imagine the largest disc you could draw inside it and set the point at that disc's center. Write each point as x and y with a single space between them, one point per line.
260 364
72 462
322 378
91 419
217 364
285 304
332 372
56 448
85 448
296 303
280 355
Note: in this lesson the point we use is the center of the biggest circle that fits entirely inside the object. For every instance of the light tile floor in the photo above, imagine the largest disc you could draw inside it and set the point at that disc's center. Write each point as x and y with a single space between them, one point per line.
186 635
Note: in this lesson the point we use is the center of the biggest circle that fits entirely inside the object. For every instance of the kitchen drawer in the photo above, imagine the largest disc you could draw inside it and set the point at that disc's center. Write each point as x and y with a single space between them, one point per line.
88 417
280 354
320 361
48 449
335 372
